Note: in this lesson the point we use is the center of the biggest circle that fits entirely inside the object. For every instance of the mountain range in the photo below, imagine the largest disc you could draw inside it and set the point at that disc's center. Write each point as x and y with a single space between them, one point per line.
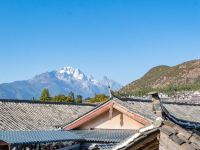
184 76
60 81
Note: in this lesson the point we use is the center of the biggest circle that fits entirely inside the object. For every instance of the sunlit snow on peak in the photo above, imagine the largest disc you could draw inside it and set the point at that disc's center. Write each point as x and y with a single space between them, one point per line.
66 72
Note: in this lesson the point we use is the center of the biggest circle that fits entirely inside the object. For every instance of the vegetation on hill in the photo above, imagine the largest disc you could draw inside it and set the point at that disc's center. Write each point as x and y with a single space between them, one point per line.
165 79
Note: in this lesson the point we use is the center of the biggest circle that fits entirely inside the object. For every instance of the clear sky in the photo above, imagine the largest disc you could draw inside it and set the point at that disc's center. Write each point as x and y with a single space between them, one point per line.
119 38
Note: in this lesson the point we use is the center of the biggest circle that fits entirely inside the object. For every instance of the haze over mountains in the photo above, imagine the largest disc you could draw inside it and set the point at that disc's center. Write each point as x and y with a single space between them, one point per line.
60 81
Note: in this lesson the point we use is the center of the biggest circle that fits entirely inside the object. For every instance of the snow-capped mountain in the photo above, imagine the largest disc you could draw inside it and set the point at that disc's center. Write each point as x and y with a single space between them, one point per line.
61 81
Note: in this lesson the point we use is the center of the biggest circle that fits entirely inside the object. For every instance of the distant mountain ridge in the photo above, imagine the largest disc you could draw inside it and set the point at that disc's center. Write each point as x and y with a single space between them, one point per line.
60 81
185 75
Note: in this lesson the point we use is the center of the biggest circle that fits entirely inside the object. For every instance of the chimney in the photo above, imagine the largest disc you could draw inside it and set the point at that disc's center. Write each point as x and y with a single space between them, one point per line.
156 106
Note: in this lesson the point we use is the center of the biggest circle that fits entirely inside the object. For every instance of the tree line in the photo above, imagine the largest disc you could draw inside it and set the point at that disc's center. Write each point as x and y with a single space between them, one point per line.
169 90
70 97
46 97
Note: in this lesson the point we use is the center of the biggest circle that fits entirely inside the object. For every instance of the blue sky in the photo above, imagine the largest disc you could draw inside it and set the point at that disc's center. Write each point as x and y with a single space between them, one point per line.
119 38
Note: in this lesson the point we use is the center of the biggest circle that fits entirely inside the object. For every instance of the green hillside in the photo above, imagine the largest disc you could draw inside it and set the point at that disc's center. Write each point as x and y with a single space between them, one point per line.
182 77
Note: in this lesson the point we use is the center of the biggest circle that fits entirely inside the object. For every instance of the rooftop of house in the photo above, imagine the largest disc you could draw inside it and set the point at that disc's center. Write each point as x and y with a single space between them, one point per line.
186 111
138 140
181 125
104 135
33 137
182 110
185 138
34 115
43 116
102 146
29 115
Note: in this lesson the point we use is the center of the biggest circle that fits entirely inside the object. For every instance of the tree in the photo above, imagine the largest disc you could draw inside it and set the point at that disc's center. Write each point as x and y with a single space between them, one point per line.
70 97
99 98
33 99
71 94
59 98
45 96
79 99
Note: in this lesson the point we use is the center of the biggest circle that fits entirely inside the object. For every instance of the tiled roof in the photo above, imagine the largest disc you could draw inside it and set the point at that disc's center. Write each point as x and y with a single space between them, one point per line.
111 137
108 146
27 137
26 115
104 135
136 138
186 111
141 107
184 138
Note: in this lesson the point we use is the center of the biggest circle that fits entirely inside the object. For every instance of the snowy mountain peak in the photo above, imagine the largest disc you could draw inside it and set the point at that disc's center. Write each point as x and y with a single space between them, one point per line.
61 81
70 71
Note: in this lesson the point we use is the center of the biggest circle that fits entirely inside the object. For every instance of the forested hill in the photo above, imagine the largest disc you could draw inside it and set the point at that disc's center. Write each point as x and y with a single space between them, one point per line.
182 77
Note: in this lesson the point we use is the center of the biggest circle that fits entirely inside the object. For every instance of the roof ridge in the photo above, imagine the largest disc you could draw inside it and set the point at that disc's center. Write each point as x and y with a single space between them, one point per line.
164 102
39 102
101 129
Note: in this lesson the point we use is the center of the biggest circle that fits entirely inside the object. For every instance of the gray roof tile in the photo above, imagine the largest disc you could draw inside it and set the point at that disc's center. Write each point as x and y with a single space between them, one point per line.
105 146
143 108
25 137
185 111
38 116
104 135
186 138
